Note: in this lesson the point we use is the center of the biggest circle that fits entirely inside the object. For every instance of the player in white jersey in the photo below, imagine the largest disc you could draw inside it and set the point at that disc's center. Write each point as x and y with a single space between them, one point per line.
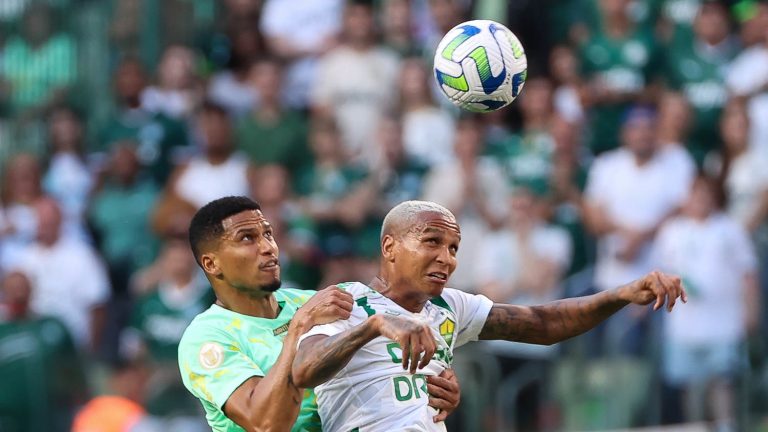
369 370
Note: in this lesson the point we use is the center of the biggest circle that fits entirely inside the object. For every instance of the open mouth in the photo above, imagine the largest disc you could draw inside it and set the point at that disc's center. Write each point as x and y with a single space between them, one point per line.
438 277
269 265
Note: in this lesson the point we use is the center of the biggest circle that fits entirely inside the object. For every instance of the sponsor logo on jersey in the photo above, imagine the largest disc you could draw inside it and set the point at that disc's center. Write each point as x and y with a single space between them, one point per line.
446 330
282 329
211 355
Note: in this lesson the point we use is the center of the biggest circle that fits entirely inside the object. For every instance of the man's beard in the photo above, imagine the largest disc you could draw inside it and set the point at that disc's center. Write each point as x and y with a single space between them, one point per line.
272 287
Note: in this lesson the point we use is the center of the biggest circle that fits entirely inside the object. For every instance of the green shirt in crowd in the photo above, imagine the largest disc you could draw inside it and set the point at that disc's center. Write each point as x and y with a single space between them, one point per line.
41 376
221 349
283 142
622 65
698 73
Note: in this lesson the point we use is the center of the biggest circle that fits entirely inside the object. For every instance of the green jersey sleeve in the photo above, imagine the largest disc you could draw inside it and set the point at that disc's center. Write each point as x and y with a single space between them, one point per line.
212 364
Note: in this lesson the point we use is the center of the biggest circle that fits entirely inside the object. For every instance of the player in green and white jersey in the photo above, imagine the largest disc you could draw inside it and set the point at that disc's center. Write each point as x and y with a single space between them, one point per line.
406 317
236 357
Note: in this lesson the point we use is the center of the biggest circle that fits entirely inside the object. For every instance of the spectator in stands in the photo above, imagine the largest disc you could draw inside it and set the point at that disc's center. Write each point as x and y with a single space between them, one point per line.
474 188
70 280
292 229
120 215
271 132
177 93
743 173
370 73
753 19
567 96
332 191
713 255
231 87
121 409
428 131
524 261
527 156
39 64
68 179
398 28
619 63
21 188
39 366
160 137
696 70
747 79
219 171
299 32
630 192
172 293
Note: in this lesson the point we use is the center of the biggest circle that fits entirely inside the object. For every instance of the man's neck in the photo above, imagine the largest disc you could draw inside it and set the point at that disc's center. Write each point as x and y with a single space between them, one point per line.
411 302
263 306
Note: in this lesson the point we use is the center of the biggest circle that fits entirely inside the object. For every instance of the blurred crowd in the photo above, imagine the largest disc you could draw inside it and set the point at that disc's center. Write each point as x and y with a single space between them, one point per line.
637 144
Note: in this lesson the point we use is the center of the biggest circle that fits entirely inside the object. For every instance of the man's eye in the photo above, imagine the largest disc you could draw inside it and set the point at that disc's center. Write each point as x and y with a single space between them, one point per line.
246 237
268 234
432 240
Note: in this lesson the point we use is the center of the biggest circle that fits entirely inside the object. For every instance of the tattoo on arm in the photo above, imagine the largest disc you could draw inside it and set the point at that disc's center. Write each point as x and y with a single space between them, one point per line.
552 322
321 357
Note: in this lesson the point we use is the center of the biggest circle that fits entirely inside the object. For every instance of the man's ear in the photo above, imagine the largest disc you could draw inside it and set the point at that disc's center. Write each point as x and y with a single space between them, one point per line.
210 264
388 248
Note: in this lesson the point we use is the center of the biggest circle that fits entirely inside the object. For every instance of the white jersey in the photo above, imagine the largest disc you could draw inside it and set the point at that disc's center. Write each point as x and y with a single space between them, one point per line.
373 392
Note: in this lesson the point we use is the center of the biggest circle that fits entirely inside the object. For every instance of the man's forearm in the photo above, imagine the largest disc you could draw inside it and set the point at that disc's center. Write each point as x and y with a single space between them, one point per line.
552 322
271 402
321 357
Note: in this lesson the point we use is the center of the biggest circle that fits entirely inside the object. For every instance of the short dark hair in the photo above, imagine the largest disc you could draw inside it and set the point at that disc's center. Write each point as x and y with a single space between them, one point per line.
206 223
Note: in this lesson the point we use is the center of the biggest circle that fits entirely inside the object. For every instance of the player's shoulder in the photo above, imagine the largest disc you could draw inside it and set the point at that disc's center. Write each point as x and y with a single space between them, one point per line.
356 289
207 326
453 299
294 295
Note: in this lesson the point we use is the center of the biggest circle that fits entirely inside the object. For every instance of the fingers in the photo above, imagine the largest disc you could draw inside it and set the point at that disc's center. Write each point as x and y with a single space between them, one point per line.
405 345
429 347
440 404
441 416
667 289
416 350
442 388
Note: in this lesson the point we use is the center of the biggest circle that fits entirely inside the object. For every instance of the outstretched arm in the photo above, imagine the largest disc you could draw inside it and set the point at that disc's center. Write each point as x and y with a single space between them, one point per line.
560 320
320 357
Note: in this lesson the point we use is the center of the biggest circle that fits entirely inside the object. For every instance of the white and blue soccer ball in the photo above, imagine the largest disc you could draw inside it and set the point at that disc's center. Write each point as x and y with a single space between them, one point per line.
480 65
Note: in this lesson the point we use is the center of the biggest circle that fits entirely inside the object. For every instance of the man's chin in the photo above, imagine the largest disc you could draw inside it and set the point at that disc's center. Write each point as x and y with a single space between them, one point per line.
273 286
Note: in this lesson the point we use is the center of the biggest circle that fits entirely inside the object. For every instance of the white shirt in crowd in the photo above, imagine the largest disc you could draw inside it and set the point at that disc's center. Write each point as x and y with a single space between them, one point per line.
500 257
68 281
373 392
359 87
239 98
306 24
745 184
202 182
748 75
428 135
712 257
637 197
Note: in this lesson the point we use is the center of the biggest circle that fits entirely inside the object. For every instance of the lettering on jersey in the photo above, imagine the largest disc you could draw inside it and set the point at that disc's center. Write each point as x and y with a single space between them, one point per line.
282 329
446 330
211 355
407 388
396 354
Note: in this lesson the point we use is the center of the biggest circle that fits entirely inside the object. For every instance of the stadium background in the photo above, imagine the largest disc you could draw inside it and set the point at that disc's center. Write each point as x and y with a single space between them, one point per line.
121 117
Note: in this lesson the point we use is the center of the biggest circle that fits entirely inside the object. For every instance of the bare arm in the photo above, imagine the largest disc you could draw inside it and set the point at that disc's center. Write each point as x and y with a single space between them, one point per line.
321 357
557 321
272 402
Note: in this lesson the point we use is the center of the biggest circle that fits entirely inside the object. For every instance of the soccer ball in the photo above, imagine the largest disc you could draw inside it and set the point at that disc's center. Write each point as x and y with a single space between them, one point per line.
480 65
